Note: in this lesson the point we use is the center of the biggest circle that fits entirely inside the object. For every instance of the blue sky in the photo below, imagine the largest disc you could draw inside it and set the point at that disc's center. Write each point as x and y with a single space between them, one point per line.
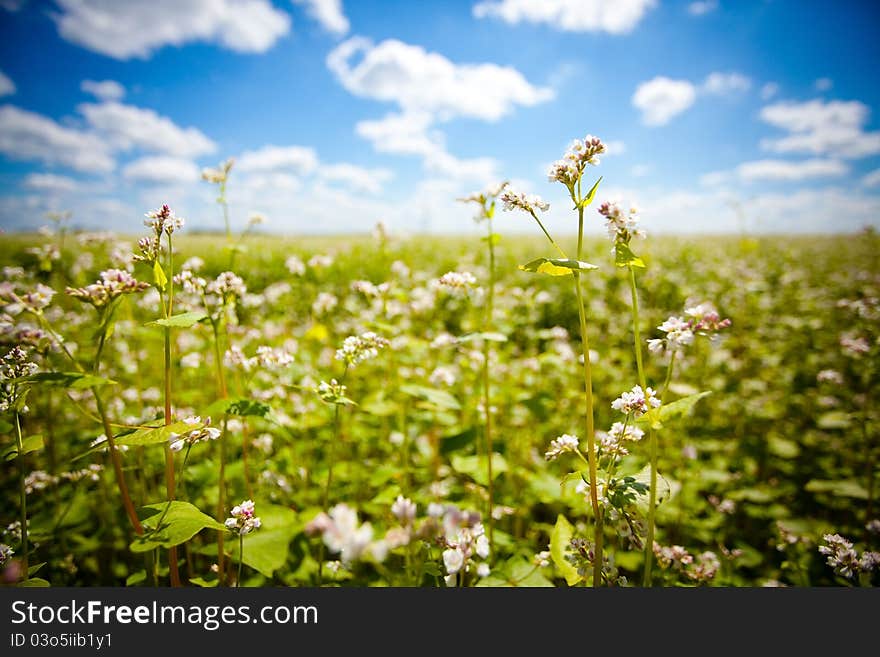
719 115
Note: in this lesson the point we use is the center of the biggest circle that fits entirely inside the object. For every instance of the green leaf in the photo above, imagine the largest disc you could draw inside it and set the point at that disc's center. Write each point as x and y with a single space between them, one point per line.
657 417
475 466
76 380
488 336
492 239
137 577
624 257
556 266
241 407
834 420
159 276
265 550
33 570
155 436
665 488
560 538
183 320
458 440
439 399
28 445
181 523
35 582
204 583
591 194
840 487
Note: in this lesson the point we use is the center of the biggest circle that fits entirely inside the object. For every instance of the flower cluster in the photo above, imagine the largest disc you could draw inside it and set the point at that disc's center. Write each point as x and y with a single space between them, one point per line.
344 535
457 280
611 443
332 393
636 402
242 520
218 175
702 319
621 226
358 348
6 553
580 153
404 510
514 200
485 199
14 364
705 320
844 559
266 358
32 301
701 568
112 284
163 220
464 545
227 286
558 446
201 432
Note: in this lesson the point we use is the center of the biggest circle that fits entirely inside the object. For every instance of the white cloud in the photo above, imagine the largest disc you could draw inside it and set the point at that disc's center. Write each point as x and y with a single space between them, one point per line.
137 28
127 126
7 86
760 170
872 179
103 90
702 7
358 178
723 84
833 128
162 169
26 135
405 133
823 84
662 98
296 159
328 13
769 90
640 170
617 17
477 171
614 147
776 171
423 81
49 182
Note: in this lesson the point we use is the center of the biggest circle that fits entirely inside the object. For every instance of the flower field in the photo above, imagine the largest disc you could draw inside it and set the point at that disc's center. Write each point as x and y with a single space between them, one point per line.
388 410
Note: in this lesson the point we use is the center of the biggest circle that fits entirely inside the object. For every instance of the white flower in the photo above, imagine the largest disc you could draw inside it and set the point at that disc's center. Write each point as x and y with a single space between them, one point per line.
514 200
636 401
483 570
404 510
482 547
242 519
455 279
295 266
356 349
564 443
453 559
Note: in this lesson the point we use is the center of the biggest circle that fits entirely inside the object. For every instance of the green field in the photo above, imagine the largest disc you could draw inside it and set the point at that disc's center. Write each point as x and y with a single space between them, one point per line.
749 477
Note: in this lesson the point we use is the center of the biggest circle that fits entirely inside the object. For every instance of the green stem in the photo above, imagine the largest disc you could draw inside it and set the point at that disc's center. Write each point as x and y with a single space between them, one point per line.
173 572
598 534
240 559
486 389
221 500
22 495
652 435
